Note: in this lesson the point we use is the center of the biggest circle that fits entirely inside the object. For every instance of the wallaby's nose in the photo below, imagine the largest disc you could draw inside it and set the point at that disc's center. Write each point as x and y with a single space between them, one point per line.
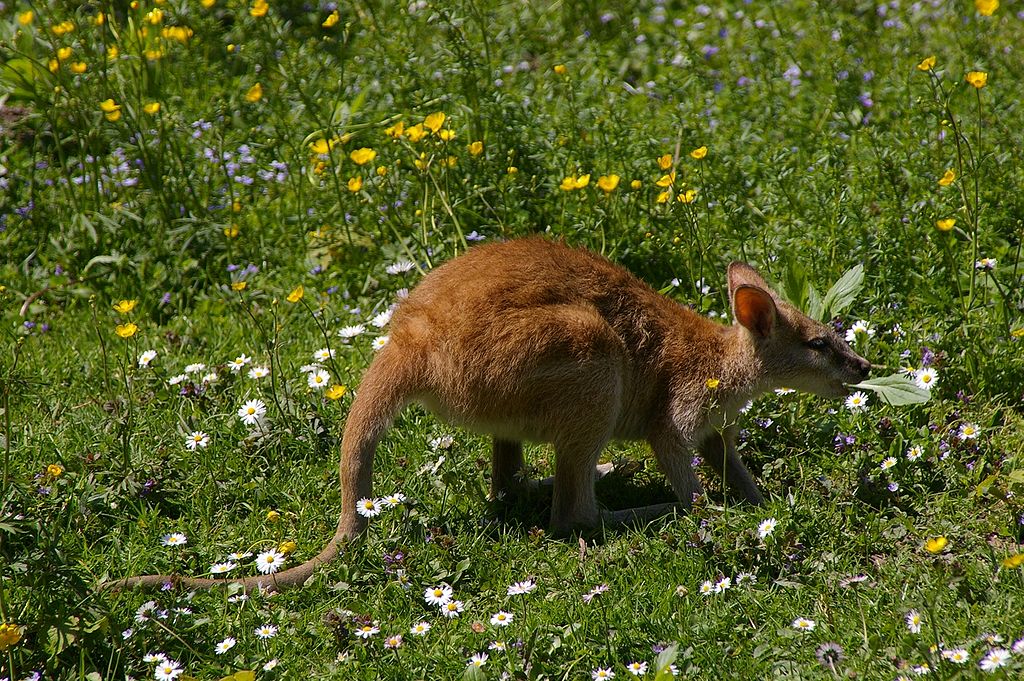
864 367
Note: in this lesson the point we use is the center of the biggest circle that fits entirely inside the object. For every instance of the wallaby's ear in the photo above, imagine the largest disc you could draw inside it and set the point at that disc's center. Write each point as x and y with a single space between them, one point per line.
753 307
740 274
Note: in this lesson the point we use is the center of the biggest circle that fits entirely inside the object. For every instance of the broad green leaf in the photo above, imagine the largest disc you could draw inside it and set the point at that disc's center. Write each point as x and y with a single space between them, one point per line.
662 666
815 307
896 390
843 292
795 286
985 485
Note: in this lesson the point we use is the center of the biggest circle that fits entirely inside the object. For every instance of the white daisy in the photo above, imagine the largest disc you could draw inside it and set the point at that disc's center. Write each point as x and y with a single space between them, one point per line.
968 431
211 377
197 439
252 412
174 539
379 342
269 561
142 615
366 631
257 373
766 527
803 624
167 670
402 293
887 463
985 264
225 645
323 354
393 500
926 378
746 578
860 329
956 655
523 587
381 320
196 368
266 631
368 508
452 609
238 363
497 645
857 401
442 442
270 664
784 391
222 568
239 555
637 668
438 595
602 673
393 642
914 621
420 629
915 453
723 584
477 660
707 588
318 380
175 380
400 267
150 658
501 619
147 357
348 332
996 658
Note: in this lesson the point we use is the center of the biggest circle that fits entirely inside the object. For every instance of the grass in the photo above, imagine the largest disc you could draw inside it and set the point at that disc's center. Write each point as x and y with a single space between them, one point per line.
205 162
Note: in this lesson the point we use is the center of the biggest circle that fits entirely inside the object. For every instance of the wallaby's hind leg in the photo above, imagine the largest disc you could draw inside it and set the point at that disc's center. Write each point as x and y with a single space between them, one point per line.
719 452
673 458
506 465
574 504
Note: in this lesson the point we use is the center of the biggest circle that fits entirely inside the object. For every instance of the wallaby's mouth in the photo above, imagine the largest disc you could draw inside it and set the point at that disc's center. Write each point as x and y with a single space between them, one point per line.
841 389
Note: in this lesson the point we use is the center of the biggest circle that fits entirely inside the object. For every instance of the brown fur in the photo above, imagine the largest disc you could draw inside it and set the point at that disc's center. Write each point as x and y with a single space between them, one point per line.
533 340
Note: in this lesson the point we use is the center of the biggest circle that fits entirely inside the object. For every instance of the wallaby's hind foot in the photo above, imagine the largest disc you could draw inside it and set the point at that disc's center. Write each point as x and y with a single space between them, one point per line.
641 515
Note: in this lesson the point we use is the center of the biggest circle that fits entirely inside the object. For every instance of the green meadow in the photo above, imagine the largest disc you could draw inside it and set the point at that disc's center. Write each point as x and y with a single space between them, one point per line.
209 208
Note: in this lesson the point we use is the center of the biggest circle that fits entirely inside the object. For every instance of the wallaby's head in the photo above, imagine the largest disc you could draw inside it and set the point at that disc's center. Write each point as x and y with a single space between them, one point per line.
795 351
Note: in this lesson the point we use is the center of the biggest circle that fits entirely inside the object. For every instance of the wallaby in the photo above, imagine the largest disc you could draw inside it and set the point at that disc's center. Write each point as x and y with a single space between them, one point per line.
531 340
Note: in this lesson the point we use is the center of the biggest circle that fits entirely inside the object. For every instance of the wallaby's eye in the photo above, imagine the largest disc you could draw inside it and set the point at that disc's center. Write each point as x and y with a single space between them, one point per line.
817 343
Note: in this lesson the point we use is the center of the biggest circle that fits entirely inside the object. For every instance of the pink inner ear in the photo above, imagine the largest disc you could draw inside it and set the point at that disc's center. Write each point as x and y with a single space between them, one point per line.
755 309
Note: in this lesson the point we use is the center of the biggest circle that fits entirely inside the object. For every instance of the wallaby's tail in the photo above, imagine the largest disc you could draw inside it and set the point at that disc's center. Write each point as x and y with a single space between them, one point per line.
386 387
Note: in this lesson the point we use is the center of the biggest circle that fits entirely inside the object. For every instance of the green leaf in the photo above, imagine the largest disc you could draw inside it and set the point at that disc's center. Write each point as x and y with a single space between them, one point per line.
663 665
843 292
815 307
896 390
23 78
795 286
985 485
116 259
